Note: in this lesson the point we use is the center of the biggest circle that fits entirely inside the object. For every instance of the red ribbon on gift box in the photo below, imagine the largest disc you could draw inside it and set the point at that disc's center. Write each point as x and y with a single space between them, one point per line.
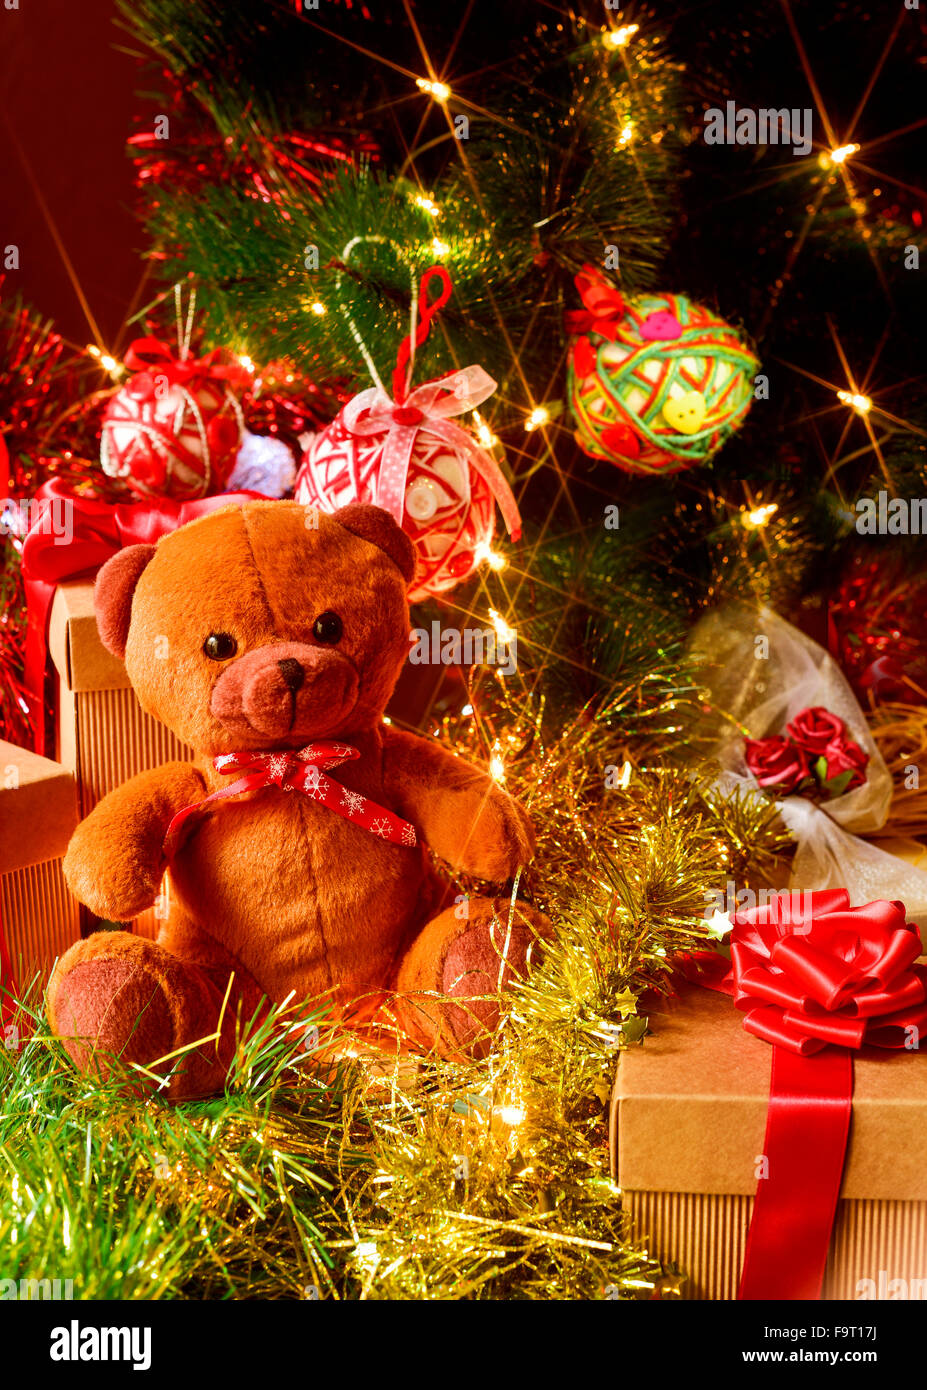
92 532
819 980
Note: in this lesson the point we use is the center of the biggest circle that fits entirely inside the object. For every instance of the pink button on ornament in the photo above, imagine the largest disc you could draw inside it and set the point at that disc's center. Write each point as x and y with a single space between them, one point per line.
661 325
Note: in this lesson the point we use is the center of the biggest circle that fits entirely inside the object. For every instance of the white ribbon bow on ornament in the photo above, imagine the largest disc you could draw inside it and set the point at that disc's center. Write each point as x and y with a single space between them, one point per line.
429 407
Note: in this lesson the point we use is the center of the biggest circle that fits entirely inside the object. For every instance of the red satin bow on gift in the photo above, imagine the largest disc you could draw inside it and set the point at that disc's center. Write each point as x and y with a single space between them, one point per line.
150 358
72 536
604 309
817 979
844 976
297 771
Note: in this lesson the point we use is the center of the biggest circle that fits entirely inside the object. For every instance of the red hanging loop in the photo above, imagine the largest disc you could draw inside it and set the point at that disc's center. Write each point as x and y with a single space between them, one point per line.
427 313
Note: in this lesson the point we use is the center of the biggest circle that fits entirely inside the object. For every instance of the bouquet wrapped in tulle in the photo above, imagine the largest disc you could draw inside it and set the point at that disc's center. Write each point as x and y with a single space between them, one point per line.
783 720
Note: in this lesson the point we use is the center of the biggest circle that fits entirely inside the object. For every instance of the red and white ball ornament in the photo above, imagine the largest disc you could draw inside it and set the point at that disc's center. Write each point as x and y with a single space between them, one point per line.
175 427
408 456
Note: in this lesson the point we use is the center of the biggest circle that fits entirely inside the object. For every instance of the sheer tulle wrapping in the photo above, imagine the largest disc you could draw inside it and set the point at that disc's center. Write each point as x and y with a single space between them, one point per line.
756 688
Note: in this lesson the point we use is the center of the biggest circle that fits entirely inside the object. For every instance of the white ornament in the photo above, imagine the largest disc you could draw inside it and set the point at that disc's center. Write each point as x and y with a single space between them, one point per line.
264 464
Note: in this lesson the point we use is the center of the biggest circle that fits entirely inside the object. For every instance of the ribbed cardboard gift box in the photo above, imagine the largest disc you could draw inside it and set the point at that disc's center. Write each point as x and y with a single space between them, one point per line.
102 733
688 1121
38 813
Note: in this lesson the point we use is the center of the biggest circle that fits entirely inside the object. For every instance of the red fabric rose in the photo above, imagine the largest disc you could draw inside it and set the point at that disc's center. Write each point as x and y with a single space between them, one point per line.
813 729
843 755
775 762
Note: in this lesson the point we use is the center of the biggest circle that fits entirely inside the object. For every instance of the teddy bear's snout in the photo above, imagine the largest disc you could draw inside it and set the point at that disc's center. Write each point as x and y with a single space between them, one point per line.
285 691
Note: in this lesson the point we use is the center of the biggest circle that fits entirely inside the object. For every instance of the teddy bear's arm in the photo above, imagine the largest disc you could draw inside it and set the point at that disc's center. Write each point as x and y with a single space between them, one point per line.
114 863
465 817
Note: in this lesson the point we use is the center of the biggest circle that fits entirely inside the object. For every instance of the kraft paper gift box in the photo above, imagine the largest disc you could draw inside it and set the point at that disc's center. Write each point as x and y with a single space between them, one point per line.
102 733
38 813
688 1121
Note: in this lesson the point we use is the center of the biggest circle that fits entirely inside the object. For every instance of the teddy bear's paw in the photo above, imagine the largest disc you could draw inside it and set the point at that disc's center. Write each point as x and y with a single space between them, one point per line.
502 839
123 1005
117 892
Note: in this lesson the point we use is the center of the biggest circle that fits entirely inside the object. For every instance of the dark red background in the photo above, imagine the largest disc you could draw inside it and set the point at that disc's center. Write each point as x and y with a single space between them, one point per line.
66 108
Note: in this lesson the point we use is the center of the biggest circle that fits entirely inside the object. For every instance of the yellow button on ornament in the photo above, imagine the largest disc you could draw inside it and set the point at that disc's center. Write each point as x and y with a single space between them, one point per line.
686 414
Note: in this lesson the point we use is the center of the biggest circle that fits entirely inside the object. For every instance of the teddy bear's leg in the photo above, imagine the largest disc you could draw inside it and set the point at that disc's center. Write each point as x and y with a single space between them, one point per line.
118 996
464 957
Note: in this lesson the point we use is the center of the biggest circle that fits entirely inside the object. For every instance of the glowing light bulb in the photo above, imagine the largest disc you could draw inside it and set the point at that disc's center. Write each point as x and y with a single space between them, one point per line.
759 516
439 248
861 404
484 555
439 90
496 765
620 38
627 134
106 361
503 631
246 362
838 156
539 416
483 433
427 204
318 308
509 1114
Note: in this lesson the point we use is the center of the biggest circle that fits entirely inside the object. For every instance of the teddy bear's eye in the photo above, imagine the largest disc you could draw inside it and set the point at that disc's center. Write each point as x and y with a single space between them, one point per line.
219 646
327 628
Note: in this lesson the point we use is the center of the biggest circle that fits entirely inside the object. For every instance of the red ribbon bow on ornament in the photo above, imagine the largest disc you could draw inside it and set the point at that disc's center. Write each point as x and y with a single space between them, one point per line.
817 979
297 771
604 309
150 358
71 536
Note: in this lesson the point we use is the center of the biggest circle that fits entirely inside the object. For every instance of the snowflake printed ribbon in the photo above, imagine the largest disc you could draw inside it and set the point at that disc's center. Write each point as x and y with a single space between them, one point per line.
302 771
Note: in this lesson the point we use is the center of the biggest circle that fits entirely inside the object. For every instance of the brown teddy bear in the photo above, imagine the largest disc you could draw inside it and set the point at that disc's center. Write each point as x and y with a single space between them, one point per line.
269 638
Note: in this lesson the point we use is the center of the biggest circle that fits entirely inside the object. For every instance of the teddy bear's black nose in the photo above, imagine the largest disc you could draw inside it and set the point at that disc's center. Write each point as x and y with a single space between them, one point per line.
292 672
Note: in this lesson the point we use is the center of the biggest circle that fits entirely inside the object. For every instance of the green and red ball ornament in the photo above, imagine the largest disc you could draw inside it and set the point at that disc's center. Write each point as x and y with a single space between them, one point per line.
656 383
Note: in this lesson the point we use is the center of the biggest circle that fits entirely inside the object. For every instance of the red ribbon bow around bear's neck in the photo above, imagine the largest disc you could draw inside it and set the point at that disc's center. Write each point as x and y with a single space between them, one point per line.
604 309
297 771
817 979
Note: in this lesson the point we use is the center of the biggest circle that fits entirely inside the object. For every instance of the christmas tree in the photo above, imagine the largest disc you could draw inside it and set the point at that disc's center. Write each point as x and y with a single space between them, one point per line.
685 249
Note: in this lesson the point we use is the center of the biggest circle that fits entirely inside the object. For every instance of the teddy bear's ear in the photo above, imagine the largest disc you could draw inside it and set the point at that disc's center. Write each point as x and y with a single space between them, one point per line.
375 525
112 595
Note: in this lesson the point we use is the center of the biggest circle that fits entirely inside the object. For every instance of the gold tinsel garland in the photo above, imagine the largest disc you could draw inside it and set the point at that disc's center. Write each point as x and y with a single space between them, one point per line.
387 1174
